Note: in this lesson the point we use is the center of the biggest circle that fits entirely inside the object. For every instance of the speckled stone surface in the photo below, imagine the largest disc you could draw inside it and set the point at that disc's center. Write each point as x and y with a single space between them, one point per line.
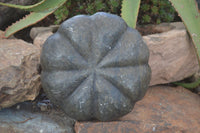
95 67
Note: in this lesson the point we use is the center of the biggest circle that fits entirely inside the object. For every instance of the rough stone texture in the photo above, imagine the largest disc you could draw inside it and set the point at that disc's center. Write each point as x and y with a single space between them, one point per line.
95 67
172 55
163 110
19 77
14 120
8 15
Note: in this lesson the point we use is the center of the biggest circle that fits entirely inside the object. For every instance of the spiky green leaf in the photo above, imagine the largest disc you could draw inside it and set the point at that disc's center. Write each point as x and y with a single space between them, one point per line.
30 19
38 7
21 6
129 11
188 11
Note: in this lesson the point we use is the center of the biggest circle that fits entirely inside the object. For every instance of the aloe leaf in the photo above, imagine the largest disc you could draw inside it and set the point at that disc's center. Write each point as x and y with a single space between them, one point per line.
48 5
21 6
189 85
129 11
28 20
41 6
188 11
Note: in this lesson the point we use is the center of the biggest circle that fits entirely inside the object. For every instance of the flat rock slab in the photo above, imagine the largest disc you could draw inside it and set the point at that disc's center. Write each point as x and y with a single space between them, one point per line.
163 109
19 75
24 121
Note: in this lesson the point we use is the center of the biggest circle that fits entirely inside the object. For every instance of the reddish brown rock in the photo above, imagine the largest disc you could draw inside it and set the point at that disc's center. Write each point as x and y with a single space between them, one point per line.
19 77
172 55
163 110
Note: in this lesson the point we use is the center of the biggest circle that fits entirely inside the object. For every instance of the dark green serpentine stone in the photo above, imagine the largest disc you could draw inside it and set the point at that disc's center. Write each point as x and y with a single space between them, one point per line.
95 67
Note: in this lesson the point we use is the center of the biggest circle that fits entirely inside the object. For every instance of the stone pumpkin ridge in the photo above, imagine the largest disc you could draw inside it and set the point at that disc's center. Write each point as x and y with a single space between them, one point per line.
88 67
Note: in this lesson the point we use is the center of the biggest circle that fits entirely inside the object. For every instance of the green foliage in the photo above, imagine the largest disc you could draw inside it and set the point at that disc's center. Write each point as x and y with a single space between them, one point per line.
130 10
30 19
39 11
114 5
151 11
62 13
155 11
97 5
188 11
76 7
30 7
188 85
145 7
43 5
146 19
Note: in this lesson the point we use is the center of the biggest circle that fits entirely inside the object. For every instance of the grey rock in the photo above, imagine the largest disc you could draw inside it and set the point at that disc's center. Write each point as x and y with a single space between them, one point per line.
10 15
95 67
18 120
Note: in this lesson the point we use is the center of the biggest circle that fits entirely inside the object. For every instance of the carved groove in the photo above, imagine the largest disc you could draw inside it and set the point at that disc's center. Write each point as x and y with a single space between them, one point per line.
125 62
94 74
118 86
114 44
75 49
75 86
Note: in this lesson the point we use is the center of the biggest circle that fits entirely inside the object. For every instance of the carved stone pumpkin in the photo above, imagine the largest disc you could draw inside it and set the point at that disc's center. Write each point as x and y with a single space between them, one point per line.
95 67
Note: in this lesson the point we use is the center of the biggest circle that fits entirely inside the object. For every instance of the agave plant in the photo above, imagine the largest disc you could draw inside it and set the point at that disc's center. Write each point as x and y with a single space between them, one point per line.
187 10
129 11
38 12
